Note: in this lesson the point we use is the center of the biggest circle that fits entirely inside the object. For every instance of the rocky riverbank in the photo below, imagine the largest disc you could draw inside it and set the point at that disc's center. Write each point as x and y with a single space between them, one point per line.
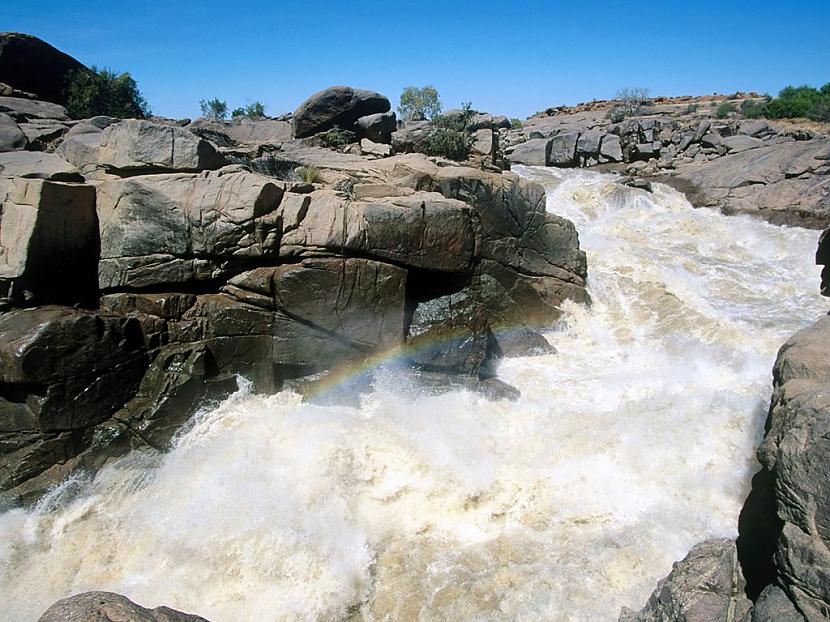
146 265
775 170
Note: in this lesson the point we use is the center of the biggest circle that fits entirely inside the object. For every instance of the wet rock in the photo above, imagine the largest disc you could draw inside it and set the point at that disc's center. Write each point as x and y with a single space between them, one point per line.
62 371
30 64
563 149
48 242
774 606
706 586
510 341
109 607
176 228
337 106
784 533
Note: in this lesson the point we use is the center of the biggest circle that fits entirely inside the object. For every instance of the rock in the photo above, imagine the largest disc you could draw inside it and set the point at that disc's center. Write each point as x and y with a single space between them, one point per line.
63 370
378 150
37 165
823 259
588 143
755 129
176 228
404 230
740 142
30 64
706 586
784 534
44 134
137 147
22 110
774 606
241 131
485 142
357 301
534 152
377 127
410 139
48 242
109 607
512 341
12 137
563 149
336 106
611 149
711 139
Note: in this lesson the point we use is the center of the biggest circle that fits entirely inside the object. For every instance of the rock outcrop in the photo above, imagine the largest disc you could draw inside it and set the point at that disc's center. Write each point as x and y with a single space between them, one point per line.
109 607
706 586
31 65
179 272
336 106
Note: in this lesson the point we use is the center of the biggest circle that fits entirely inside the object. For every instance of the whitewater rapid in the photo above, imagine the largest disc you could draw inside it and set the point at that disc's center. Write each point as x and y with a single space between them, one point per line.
632 443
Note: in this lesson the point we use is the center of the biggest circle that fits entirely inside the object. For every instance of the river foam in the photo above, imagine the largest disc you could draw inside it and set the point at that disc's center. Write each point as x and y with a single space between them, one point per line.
628 446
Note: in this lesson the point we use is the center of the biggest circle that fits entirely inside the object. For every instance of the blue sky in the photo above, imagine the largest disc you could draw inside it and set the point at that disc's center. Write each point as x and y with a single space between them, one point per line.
509 58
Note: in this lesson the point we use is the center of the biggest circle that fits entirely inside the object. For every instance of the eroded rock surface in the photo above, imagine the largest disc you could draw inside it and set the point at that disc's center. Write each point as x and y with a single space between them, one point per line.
109 607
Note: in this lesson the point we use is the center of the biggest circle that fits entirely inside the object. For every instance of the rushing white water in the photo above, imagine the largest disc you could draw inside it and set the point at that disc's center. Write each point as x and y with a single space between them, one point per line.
631 444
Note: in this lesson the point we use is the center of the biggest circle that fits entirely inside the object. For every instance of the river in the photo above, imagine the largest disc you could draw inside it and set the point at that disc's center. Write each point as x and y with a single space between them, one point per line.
629 445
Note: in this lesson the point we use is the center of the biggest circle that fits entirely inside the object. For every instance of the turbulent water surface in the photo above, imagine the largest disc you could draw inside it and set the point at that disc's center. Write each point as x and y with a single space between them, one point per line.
631 444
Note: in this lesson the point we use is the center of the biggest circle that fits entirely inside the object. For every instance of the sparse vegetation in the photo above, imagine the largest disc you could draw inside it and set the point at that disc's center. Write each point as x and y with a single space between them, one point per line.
515 123
691 109
309 174
336 138
752 109
214 109
449 135
104 92
724 109
630 100
256 110
419 104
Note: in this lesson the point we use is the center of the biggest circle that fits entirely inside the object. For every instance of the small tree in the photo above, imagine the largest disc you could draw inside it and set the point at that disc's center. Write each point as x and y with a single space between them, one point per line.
724 109
630 100
515 123
214 109
417 104
103 92
449 135
255 110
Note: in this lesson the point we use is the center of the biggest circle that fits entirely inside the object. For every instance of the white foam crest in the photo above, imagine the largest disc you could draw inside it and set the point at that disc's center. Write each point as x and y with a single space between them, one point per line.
627 447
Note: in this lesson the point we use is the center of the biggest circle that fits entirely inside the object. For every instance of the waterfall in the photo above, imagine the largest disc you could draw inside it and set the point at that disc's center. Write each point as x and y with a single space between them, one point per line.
629 445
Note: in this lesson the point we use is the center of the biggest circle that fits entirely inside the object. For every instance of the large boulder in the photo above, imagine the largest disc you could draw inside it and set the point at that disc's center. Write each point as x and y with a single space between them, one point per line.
785 523
109 607
30 64
11 136
23 110
563 149
706 586
377 127
336 106
534 152
37 165
411 138
136 147
177 228
406 230
48 242
62 371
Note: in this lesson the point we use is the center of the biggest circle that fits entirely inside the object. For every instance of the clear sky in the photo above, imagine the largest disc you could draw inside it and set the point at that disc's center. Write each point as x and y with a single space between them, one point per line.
509 58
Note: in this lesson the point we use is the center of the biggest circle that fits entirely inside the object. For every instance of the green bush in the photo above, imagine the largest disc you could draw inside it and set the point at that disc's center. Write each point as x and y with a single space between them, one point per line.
800 102
515 123
215 109
418 104
336 138
309 174
690 109
449 136
103 92
724 109
752 109
255 110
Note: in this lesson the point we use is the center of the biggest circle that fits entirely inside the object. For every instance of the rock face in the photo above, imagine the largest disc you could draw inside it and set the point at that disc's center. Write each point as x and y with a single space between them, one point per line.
32 65
784 533
160 230
181 273
109 607
706 586
339 106
48 242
